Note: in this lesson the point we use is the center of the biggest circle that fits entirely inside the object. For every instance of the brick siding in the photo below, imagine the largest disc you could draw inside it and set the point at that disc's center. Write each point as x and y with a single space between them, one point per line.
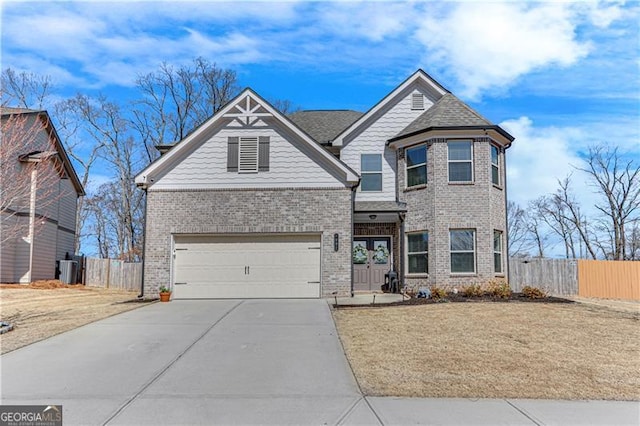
440 206
220 212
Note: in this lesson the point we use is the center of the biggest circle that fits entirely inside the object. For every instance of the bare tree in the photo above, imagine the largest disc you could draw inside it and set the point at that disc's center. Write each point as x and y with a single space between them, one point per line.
24 90
109 129
285 106
536 230
519 242
617 181
30 172
177 100
633 241
85 151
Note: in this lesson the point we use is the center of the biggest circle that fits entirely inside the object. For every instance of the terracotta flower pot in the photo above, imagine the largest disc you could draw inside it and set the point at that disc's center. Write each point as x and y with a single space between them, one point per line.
164 297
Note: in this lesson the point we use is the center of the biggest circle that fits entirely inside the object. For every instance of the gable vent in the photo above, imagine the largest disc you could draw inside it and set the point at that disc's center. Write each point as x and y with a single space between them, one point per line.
417 101
248 155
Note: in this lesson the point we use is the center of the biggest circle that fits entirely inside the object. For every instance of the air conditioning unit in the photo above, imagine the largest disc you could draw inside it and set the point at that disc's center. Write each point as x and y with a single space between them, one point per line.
68 271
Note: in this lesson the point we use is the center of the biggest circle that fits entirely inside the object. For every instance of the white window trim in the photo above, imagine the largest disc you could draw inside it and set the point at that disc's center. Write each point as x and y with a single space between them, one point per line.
461 161
501 253
406 167
496 165
373 173
475 261
244 165
406 257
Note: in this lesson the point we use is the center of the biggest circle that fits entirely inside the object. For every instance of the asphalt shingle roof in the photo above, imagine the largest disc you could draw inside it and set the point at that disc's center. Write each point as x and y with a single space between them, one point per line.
324 126
12 110
449 111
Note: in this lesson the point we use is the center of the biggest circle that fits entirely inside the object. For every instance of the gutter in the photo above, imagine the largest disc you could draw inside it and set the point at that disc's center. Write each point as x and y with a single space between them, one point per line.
144 239
354 188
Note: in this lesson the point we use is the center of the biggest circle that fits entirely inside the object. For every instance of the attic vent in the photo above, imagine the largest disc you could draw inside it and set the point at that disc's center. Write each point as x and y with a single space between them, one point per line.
417 101
248 158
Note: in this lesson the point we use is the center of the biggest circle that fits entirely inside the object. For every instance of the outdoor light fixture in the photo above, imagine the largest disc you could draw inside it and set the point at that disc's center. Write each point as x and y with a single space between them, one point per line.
373 216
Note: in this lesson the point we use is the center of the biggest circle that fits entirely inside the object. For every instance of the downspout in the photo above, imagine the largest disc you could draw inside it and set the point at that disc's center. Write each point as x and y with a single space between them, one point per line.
353 209
144 241
402 254
506 220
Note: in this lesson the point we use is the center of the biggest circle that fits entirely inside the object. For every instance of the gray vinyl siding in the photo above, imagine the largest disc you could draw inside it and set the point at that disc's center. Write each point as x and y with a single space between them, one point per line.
44 254
67 204
7 252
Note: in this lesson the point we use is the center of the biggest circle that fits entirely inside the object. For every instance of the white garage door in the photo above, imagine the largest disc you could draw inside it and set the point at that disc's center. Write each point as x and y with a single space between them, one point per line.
247 266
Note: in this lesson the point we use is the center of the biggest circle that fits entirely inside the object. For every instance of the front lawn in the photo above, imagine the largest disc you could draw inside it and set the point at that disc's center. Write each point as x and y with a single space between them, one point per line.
493 350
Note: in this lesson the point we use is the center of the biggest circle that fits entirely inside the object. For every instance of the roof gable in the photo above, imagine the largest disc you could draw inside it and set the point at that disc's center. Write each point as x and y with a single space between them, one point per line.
246 111
7 112
418 77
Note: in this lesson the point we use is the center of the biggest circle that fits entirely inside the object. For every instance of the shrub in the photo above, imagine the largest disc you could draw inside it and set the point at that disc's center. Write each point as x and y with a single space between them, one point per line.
473 290
533 292
499 289
438 293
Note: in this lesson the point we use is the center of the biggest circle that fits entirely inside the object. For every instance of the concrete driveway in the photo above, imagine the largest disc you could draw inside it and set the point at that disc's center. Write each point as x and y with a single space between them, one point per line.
239 362
191 362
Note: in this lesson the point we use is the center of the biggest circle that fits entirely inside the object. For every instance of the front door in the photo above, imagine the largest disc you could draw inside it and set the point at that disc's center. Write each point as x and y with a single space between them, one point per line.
371 261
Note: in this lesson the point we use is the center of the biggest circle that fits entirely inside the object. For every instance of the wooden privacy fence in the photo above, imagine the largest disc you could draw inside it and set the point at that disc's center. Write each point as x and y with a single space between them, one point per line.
609 279
555 276
110 273
588 278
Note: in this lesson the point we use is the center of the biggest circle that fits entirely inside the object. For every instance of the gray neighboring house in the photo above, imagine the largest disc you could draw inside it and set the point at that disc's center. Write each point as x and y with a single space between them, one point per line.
52 185
254 203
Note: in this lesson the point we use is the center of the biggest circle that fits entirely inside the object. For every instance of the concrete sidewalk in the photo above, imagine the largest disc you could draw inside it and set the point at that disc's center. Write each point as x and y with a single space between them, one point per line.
239 362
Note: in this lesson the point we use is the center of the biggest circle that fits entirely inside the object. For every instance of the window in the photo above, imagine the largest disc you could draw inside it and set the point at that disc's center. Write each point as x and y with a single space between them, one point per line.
495 165
371 171
463 256
417 101
416 159
248 154
418 252
497 252
460 161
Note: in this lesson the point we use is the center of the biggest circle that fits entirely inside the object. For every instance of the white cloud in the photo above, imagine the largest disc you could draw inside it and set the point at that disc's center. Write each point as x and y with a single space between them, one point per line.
490 45
366 20
538 158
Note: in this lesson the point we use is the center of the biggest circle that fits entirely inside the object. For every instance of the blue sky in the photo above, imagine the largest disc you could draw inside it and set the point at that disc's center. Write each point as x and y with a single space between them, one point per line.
559 76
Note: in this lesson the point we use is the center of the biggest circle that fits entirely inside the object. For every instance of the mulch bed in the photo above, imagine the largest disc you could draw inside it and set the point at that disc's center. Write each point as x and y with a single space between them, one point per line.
459 298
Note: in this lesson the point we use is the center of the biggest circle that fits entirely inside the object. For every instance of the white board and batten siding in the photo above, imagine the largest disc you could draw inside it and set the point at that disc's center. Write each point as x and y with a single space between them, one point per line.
289 166
372 140
256 266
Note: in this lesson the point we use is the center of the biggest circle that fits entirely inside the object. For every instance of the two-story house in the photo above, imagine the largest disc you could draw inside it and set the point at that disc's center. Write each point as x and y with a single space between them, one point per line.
39 192
257 204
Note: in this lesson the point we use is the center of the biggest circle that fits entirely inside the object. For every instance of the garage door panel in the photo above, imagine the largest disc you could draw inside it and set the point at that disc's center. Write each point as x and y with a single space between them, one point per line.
247 266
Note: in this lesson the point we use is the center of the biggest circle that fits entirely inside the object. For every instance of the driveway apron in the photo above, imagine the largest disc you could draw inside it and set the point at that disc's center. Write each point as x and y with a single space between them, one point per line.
191 362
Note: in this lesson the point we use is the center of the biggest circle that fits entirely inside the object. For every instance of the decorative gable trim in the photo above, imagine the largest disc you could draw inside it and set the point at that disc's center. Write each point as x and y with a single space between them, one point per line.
247 110
419 75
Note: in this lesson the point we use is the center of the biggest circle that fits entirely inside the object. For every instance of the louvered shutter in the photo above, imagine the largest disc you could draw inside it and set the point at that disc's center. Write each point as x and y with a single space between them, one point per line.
232 154
263 154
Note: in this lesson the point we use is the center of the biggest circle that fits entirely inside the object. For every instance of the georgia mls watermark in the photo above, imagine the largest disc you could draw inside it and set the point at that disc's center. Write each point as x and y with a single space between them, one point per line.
30 415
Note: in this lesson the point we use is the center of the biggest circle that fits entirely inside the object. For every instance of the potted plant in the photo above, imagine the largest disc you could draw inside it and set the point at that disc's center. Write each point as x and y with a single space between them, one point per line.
165 294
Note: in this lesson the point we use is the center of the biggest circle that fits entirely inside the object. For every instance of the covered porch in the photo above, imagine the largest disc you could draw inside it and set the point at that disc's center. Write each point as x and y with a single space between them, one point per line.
377 245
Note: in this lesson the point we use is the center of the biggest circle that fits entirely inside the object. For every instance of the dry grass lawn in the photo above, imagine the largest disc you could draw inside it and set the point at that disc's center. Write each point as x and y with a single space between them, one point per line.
41 311
494 350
